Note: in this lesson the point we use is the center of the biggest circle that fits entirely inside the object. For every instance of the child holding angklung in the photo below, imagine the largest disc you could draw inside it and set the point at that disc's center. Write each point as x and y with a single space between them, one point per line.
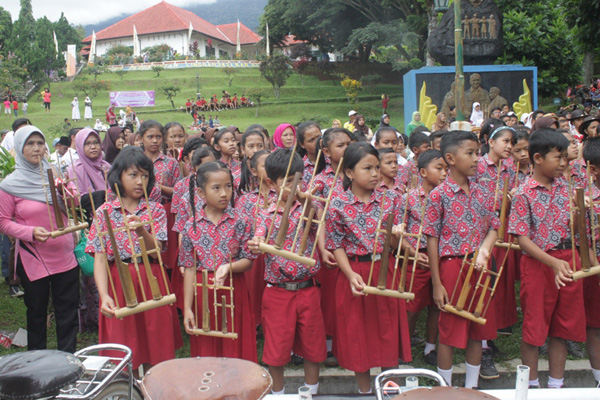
493 169
225 252
252 141
520 157
151 335
591 284
433 171
291 303
368 327
459 220
552 302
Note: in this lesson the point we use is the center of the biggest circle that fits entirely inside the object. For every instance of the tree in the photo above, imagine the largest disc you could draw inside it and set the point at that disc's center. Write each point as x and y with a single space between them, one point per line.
13 76
583 15
352 88
89 88
157 69
96 70
170 91
23 41
256 94
121 73
276 70
538 34
46 59
66 34
230 72
5 30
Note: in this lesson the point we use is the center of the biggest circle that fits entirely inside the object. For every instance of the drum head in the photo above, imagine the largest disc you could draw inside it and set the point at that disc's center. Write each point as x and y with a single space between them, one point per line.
444 393
206 378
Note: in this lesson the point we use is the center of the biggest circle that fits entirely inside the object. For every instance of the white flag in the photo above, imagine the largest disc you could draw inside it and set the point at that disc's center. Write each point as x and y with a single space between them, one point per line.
92 56
268 45
55 43
239 46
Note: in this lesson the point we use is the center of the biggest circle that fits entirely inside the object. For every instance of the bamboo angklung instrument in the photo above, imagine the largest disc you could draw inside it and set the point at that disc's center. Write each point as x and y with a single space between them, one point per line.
584 248
219 304
511 244
68 203
134 305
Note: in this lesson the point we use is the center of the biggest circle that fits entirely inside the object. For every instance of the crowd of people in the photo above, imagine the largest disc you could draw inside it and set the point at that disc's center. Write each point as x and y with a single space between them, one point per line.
216 196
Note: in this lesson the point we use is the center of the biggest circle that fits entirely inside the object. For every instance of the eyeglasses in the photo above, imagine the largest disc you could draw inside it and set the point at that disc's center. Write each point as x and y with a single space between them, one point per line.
92 144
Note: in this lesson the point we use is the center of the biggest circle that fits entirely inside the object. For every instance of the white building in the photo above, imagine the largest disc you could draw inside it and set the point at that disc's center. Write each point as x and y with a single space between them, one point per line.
164 23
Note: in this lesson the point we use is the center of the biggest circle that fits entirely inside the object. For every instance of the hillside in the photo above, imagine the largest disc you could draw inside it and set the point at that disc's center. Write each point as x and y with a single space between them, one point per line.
219 12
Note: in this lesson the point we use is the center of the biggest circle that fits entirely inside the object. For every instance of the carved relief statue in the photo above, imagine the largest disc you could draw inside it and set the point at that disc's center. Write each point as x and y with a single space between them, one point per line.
476 94
475 27
449 99
496 99
492 27
484 27
466 22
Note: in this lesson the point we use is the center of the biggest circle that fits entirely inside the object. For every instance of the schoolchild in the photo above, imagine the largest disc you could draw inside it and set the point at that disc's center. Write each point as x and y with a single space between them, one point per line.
387 138
389 171
152 335
433 171
309 134
251 142
459 220
418 143
226 252
575 173
367 327
225 144
551 301
520 157
291 306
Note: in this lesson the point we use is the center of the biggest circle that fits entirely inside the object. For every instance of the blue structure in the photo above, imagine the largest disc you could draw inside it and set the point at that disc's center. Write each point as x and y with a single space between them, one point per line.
508 78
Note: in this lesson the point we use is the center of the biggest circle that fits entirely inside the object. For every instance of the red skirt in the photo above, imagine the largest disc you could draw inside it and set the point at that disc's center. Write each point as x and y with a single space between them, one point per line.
505 298
591 299
169 256
255 280
149 334
327 277
368 327
244 346
177 285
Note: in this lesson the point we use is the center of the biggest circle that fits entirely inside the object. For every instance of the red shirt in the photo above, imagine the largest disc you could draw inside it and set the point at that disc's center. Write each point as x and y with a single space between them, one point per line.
184 210
460 220
236 170
351 224
579 178
397 186
596 234
404 174
166 173
246 203
279 269
188 104
309 168
324 182
487 176
212 244
15 105
541 214
115 216
417 200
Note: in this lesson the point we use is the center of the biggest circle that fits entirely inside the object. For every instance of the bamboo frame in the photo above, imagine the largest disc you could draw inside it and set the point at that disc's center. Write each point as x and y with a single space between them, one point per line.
307 218
218 303
135 305
587 269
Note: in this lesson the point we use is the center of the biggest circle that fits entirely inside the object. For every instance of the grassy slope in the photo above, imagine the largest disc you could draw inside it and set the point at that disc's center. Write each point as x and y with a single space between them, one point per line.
213 81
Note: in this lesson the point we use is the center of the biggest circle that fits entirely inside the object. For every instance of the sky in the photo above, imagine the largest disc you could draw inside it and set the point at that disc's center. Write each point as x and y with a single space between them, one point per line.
93 12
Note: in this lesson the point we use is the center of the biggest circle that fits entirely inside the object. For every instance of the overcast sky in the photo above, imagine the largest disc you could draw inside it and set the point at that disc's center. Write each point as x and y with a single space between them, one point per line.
90 13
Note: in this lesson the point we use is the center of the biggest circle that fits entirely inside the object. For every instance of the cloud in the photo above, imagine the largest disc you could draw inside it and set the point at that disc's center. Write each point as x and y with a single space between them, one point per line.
88 12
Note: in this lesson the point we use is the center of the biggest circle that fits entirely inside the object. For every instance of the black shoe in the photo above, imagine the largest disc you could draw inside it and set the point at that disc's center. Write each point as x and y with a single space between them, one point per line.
15 291
297 360
505 331
534 386
493 348
574 350
488 369
431 358
543 349
416 341
331 361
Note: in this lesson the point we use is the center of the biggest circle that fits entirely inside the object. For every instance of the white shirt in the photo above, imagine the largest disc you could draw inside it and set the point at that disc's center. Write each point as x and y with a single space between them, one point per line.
9 141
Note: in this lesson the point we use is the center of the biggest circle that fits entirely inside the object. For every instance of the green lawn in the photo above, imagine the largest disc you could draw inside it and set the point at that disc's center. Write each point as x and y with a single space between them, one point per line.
301 99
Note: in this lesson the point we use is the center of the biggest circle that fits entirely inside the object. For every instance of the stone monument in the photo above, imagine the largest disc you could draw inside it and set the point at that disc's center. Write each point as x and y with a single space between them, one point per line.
482 34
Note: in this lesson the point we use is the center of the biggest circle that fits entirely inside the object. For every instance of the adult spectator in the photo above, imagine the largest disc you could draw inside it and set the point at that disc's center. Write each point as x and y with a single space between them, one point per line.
46 267
350 124
47 99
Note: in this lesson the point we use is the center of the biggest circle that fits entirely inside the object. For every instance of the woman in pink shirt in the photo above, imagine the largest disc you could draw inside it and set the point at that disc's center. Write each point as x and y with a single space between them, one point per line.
45 265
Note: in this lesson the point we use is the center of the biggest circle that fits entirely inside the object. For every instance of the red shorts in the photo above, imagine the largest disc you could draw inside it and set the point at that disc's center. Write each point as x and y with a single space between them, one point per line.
548 311
292 321
244 346
505 298
455 331
255 280
421 287
591 297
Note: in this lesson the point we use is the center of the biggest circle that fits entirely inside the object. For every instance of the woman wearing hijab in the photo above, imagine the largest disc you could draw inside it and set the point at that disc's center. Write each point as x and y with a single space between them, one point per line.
89 168
440 123
111 117
45 265
87 113
476 115
75 114
384 122
284 136
98 126
360 126
416 121
109 144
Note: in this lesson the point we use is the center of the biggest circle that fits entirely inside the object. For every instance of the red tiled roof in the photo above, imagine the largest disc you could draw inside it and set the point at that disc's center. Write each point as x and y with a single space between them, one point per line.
247 36
162 17
290 40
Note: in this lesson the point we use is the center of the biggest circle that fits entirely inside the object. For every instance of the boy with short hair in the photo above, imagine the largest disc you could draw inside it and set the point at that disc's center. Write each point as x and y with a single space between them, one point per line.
432 169
540 219
591 284
459 220
436 138
291 308
418 143
389 171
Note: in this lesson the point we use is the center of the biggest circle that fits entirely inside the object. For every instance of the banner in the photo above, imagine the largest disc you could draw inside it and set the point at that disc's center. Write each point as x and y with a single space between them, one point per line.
71 60
132 99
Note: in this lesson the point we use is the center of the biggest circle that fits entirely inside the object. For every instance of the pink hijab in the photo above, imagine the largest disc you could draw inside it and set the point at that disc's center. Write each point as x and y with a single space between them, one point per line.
89 172
279 131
